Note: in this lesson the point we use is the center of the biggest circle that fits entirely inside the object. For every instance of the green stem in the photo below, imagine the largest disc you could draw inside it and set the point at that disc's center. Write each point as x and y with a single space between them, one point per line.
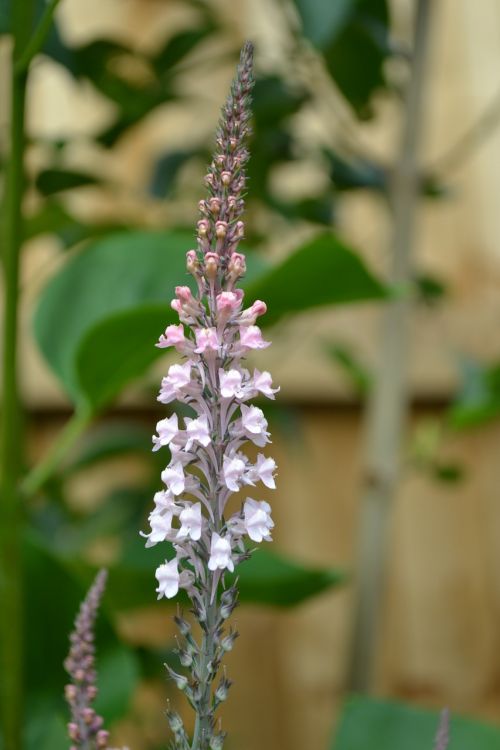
11 446
35 44
59 449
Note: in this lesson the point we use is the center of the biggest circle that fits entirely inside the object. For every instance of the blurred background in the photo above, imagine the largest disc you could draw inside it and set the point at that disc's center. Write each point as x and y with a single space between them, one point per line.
373 225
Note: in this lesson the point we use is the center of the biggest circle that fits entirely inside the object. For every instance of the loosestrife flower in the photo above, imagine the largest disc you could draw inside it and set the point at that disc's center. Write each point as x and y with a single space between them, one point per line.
207 466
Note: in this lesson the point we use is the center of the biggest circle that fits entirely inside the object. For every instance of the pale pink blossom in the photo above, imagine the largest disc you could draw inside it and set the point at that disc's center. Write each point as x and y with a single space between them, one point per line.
173 336
191 522
161 527
173 477
262 382
168 579
167 430
254 424
197 430
264 470
175 382
251 338
206 340
164 502
227 303
230 383
257 520
220 553
250 315
233 470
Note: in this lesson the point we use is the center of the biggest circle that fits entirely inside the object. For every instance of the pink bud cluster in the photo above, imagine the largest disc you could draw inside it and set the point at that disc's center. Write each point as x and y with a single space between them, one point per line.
85 728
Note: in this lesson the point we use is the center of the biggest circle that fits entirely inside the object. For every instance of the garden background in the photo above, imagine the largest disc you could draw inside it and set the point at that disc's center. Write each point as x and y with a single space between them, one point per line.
121 109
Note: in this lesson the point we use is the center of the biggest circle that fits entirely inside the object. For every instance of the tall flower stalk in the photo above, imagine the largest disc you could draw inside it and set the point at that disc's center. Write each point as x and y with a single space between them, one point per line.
207 465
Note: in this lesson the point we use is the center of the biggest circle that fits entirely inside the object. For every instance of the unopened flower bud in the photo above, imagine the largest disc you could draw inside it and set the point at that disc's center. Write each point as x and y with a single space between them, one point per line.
174 721
91 691
203 227
226 178
73 731
214 205
233 143
227 641
220 160
211 265
236 266
102 738
239 230
180 680
217 741
222 690
182 624
70 692
88 715
220 229
191 261
185 658
79 675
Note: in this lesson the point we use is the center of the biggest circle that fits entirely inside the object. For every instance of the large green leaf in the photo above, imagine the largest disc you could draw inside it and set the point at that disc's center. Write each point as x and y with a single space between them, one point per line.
352 36
110 302
368 724
322 272
267 578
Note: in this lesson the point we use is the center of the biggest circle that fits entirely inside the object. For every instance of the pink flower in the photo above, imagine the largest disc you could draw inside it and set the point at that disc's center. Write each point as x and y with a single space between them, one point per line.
167 430
258 521
220 553
233 470
264 470
197 431
251 338
161 527
173 477
262 382
173 336
228 303
230 383
206 339
250 315
168 579
191 522
254 424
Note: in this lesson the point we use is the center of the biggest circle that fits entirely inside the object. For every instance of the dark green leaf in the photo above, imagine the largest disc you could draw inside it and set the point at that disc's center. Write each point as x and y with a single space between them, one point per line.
52 181
267 578
166 170
430 289
479 399
322 20
4 17
178 47
369 724
107 440
322 272
274 100
356 173
118 675
448 472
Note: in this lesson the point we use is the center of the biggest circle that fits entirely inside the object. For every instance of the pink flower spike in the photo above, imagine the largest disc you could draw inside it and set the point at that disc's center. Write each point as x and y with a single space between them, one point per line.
173 336
206 339
251 338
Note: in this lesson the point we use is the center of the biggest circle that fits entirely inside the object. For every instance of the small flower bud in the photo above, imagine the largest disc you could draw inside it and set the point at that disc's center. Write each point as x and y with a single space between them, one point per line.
220 160
214 205
185 658
191 262
226 178
79 675
202 207
73 731
88 715
220 229
211 265
227 641
175 721
203 227
180 680
236 266
182 624
222 690
70 693
217 741
233 143
102 738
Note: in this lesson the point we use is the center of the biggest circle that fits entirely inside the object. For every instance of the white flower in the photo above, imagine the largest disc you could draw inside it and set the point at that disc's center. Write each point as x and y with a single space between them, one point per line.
257 519
230 383
163 501
233 469
168 579
254 424
161 526
263 470
179 376
220 553
262 381
197 430
167 430
191 522
174 478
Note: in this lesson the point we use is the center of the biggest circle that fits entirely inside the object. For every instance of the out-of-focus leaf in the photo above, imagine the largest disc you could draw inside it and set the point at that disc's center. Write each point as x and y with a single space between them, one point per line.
318 210
179 46
430 289
118 675
322 272
111 276
107 440
274 101
478 402
356 173
4 17
267 578
448 472
45 727
352 35
51 181
359 377
369 724
110 303
166 170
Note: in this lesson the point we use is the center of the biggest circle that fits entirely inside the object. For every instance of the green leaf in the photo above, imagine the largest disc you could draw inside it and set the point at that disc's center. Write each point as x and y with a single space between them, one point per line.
166 171
479 399
322 20
51 181
322 272
4 17
118 674
369 724
107 440
356 173
359 377
111 276
267 578
179 46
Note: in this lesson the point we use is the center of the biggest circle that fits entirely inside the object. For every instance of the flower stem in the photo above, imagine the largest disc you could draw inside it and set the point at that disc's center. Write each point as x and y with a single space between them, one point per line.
11 445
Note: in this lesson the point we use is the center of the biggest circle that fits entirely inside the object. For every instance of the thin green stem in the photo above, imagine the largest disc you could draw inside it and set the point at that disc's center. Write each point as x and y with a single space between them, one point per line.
35 44
67 437
11 445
